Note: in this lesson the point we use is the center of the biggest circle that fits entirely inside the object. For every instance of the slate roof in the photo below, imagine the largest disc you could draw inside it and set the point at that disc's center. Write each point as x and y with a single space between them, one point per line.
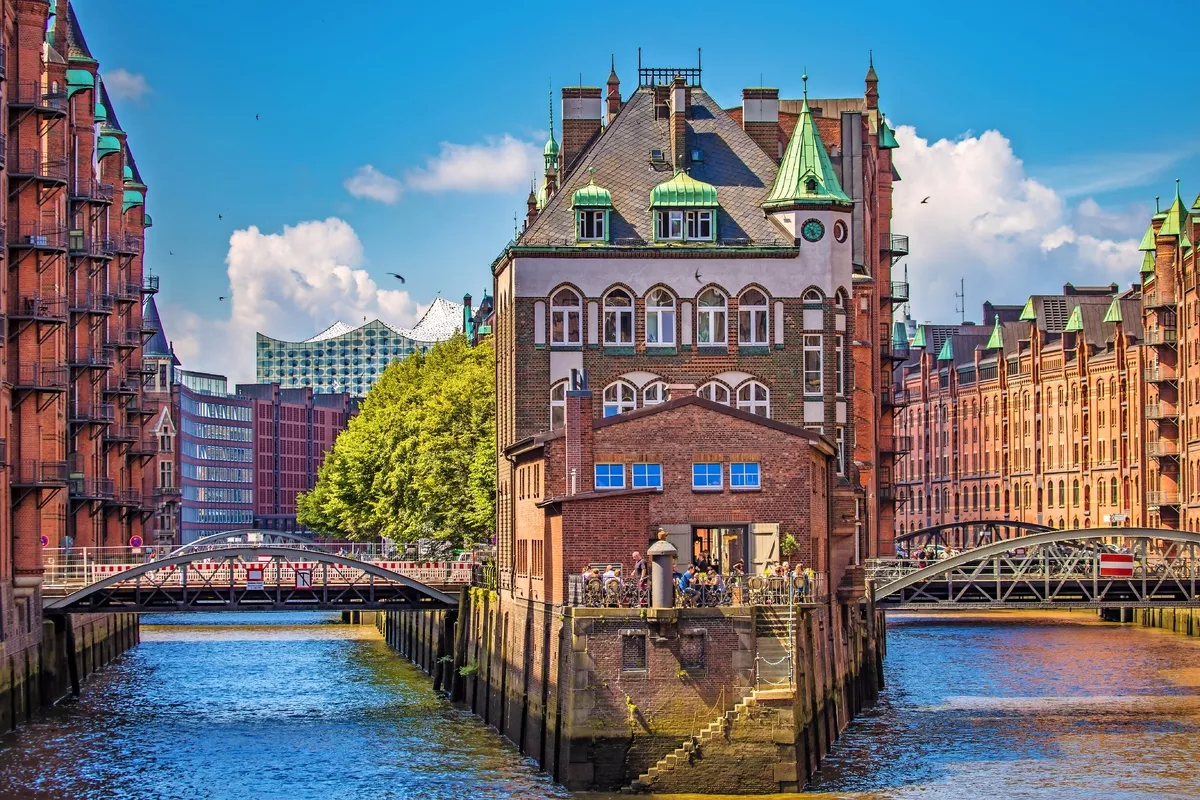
76 45
741 172
158 344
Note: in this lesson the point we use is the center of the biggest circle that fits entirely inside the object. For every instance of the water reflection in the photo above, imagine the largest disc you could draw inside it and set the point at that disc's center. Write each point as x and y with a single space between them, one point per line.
237 705
240 705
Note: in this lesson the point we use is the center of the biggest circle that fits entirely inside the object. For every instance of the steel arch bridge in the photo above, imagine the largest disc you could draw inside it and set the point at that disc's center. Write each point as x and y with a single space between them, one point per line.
260 578
969 534
1148 567
244 536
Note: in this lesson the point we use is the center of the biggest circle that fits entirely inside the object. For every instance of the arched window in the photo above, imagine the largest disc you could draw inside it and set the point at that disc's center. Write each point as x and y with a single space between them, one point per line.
811 296
1075 494
945 499
618 318
566 318
711 326
839 299
1050 493
1062 495
752 396
752 318
619 398
717 392
1113 489
975 498
654 393
987 499
558 405
1028 496
920 502
660 318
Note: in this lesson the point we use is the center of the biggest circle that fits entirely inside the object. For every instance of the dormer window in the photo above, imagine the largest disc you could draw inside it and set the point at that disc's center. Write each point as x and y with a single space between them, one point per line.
592 206
684 209
810 186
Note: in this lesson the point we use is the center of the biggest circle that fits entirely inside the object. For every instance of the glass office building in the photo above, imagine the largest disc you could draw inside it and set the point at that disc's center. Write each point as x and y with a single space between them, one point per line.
346 359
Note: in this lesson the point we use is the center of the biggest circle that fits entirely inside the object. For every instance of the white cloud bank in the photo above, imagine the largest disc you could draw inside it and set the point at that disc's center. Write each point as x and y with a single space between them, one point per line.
1006 234
288 285
125 85
499 164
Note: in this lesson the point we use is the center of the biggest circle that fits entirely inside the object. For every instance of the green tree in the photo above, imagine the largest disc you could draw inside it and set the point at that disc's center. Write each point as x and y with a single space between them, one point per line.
419 460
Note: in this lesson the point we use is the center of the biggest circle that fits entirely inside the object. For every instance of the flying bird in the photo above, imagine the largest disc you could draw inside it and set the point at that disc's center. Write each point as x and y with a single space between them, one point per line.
171 252
926 200
219 216
220 298
256 116
396 275
697 276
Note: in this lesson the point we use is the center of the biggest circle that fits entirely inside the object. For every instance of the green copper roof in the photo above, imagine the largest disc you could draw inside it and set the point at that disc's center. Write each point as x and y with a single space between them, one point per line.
919 339
947 352
1185 242
127 174
1148 264
107 145
1148 240
887 137
805 174
591 196
996 340
1028 314
551 148
683 191
147 221
132 198
101 112
1075 322
1176 216
1114 311
1196 205
78 80
899 335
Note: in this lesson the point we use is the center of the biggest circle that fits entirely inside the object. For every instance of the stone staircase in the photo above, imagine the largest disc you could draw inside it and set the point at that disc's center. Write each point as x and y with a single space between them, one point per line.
773 631
686 752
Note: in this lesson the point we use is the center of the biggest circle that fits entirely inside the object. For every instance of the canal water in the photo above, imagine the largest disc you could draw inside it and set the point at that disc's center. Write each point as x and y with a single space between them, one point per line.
219 706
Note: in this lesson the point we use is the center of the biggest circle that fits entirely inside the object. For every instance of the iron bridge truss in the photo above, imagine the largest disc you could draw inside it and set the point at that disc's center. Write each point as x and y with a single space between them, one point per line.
1052 569
285 579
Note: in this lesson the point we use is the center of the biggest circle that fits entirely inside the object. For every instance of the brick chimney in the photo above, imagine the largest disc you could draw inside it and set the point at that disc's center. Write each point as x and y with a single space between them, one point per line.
581 122
580 469
760 119
614 93
678 104
678 390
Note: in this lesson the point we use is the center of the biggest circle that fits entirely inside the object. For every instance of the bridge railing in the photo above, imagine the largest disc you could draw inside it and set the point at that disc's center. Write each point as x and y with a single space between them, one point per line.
1037 564
74 568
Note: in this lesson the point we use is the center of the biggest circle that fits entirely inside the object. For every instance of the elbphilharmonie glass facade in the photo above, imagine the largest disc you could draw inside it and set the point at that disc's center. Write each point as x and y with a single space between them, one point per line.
346 359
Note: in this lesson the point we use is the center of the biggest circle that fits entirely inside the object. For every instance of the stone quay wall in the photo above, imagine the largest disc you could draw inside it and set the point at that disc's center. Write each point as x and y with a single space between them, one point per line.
36 671
603 698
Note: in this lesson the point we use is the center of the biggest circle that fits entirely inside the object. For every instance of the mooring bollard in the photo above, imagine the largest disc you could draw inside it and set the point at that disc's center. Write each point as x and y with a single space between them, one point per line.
662 561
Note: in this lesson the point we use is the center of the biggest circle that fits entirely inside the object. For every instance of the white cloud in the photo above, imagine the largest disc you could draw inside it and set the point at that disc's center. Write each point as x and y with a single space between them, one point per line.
288 285
499 164
125 85
371 183
989 223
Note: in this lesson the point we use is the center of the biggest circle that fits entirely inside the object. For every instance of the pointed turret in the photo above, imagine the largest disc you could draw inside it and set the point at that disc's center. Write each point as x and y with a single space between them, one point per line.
806 175
550 159
158 345
1114 311
918 342
872 93
947 351
996 340
1029 313
1075 321
1176 216
613 95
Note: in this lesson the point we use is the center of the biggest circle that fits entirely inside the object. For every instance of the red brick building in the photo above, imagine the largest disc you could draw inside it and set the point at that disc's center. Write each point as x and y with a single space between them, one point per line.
1076 410
293 430
721 482
746 252
72 404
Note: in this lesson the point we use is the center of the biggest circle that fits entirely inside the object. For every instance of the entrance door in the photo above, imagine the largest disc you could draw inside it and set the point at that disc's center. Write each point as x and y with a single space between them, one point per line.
720 546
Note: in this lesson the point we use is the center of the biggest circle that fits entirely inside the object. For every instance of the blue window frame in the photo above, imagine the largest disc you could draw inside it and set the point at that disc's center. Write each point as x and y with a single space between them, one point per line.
744 476
706 476
647 475
610 476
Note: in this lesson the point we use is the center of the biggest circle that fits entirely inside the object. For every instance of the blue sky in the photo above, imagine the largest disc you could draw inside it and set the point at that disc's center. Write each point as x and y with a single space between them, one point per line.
1089 125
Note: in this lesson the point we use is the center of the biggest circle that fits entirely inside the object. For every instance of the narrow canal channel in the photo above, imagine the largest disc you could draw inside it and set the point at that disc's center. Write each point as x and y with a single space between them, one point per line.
271 706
